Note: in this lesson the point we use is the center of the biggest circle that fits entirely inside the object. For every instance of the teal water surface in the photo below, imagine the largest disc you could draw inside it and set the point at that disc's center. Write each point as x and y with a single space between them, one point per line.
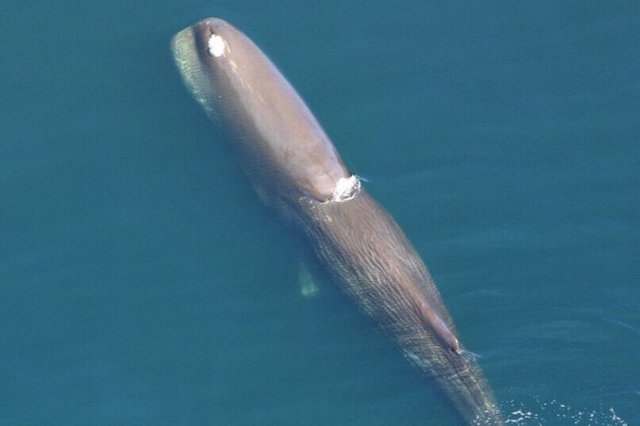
141 281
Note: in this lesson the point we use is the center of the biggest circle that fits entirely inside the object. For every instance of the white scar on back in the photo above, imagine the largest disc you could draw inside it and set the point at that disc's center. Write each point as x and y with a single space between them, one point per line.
216 46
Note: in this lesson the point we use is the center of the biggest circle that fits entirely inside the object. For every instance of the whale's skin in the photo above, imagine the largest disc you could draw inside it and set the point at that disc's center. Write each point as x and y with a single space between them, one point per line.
295 169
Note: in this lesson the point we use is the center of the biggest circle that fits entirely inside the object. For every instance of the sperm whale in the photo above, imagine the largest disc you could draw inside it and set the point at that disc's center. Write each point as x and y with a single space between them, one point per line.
296 170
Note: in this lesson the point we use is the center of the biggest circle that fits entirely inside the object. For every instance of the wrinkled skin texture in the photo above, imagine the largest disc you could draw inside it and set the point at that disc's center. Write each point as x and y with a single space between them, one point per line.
364 247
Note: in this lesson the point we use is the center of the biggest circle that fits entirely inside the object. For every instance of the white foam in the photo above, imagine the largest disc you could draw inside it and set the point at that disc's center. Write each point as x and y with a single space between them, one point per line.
541 412
346 188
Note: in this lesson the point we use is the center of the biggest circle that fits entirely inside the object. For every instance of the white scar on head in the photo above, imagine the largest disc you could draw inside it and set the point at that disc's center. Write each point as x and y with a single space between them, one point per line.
216 46
346 189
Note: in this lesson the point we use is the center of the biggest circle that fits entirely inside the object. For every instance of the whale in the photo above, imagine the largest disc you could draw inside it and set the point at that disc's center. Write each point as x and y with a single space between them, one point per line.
296 170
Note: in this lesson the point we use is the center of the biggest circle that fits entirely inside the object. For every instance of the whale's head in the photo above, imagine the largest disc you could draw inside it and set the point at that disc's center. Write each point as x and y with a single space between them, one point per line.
282 145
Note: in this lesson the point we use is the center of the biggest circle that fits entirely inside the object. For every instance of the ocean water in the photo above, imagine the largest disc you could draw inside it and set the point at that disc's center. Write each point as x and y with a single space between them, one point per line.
142 283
